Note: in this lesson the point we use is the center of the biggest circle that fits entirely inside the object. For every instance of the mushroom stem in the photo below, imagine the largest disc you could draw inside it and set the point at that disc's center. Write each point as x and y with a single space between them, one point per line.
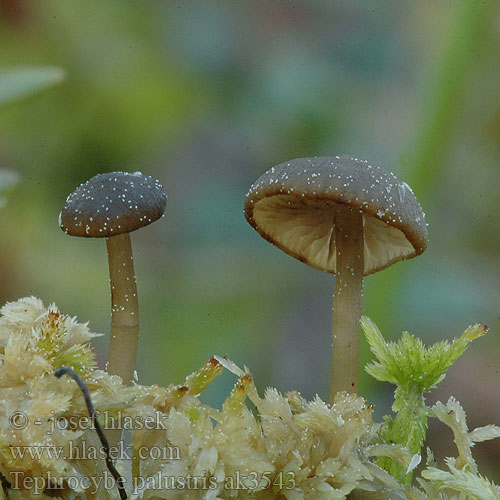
124 307
347 300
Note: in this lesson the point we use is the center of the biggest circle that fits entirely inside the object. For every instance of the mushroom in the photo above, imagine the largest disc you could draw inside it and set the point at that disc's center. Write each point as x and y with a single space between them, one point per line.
111 206
344 216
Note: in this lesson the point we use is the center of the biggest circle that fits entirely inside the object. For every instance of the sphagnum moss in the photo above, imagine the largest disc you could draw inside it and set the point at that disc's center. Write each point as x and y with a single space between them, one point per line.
290 448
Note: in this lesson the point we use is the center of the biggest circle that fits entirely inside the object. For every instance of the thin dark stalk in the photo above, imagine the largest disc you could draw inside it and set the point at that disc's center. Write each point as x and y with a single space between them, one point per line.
66 370
5 483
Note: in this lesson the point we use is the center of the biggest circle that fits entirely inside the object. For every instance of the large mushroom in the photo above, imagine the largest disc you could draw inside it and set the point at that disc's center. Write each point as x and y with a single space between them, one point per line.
344 216
111 206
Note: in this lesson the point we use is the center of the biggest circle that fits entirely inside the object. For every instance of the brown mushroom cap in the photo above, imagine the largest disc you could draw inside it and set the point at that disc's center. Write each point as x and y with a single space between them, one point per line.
293 205
111 204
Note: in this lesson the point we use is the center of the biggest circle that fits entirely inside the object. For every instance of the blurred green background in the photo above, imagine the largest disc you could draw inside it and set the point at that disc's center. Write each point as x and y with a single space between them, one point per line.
206 96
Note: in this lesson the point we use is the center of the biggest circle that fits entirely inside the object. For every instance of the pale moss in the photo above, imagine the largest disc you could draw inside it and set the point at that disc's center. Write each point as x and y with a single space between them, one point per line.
473 485
287 448
33 342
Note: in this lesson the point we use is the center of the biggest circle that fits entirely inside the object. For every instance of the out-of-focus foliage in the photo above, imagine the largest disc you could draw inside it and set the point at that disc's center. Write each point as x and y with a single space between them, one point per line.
205 96
16 83
8 179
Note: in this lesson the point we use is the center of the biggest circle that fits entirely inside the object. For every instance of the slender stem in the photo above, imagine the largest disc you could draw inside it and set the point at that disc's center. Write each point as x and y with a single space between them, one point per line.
347 300
125 308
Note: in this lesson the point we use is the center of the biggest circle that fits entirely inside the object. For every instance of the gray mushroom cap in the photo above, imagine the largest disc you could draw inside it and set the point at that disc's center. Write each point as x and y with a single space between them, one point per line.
111 204
293 205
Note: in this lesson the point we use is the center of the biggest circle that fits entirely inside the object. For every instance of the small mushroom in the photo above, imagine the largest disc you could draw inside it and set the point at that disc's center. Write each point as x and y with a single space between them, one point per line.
111 206
344 216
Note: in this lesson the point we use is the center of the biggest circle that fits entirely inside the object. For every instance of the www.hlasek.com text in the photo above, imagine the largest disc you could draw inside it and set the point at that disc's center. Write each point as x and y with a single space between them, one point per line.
81 450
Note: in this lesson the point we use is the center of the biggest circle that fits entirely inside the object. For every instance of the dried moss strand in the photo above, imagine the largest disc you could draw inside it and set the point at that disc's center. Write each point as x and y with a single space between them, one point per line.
66 370
125 308
347 300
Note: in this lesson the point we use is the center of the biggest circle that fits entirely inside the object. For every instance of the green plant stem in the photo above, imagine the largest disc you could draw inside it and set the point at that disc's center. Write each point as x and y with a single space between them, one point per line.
408 428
